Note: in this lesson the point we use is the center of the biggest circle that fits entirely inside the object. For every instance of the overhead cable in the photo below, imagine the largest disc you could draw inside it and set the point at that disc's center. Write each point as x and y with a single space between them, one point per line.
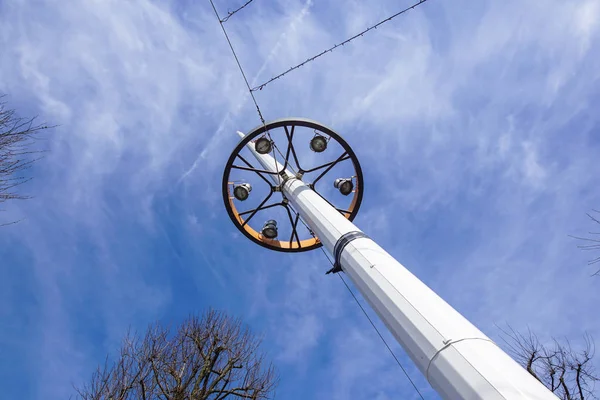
261 86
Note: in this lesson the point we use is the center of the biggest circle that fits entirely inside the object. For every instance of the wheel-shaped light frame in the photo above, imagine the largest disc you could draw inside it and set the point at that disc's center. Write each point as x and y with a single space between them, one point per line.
289 125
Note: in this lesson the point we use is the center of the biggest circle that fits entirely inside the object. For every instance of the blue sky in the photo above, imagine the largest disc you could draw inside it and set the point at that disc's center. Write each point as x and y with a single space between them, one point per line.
475 123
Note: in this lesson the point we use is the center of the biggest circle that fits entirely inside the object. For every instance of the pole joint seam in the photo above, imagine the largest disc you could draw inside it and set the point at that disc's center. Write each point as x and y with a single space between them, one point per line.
448 343
339 247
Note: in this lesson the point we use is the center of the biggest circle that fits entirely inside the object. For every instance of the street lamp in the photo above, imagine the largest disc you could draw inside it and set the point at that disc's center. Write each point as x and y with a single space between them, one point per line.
281 163
456 358
318 143
269 229
242 191
344 185
263 145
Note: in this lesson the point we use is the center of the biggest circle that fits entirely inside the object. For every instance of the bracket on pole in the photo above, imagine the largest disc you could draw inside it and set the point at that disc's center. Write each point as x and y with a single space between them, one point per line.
339 247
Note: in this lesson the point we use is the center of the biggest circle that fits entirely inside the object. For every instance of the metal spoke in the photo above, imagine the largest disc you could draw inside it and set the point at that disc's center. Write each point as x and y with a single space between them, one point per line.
251 166
294 226
290 136
257 208
287 152
328 164
264 171
329 168
289 147
275 158
286 165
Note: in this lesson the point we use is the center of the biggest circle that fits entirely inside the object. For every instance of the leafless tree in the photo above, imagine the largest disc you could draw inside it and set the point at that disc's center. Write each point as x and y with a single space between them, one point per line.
591 243
568 373
17 151
212 356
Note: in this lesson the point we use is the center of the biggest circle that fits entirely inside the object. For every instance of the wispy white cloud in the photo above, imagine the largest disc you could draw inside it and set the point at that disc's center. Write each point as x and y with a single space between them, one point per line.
474 123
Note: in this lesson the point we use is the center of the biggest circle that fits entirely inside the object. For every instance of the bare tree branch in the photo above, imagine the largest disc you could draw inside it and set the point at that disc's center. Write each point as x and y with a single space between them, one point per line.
209 357
591 246
568 373
17 153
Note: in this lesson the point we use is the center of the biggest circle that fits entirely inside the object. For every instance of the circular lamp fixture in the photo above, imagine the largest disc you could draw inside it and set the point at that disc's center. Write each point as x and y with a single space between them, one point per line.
318 144
269 230
263 145
242 191
344 185
246 219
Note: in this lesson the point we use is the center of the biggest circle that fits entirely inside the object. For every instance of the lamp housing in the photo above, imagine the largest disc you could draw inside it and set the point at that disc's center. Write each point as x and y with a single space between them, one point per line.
242 191
318 143
269 229
263 145
344 185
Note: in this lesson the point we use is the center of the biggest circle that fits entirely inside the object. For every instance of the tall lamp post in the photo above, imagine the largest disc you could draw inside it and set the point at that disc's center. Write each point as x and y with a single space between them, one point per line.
458 360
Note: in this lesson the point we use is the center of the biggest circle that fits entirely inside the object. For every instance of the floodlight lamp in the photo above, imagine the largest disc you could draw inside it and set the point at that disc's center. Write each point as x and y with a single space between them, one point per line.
269 230
344 185
242 191
263 145
318 144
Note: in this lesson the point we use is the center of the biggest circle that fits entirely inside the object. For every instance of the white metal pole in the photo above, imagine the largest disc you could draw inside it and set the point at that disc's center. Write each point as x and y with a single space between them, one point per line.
458 360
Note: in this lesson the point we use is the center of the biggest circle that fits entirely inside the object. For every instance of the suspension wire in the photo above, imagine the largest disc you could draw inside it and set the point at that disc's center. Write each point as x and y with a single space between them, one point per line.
230 13
374 327
283 157
262 120
366 315
261 86
274 157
